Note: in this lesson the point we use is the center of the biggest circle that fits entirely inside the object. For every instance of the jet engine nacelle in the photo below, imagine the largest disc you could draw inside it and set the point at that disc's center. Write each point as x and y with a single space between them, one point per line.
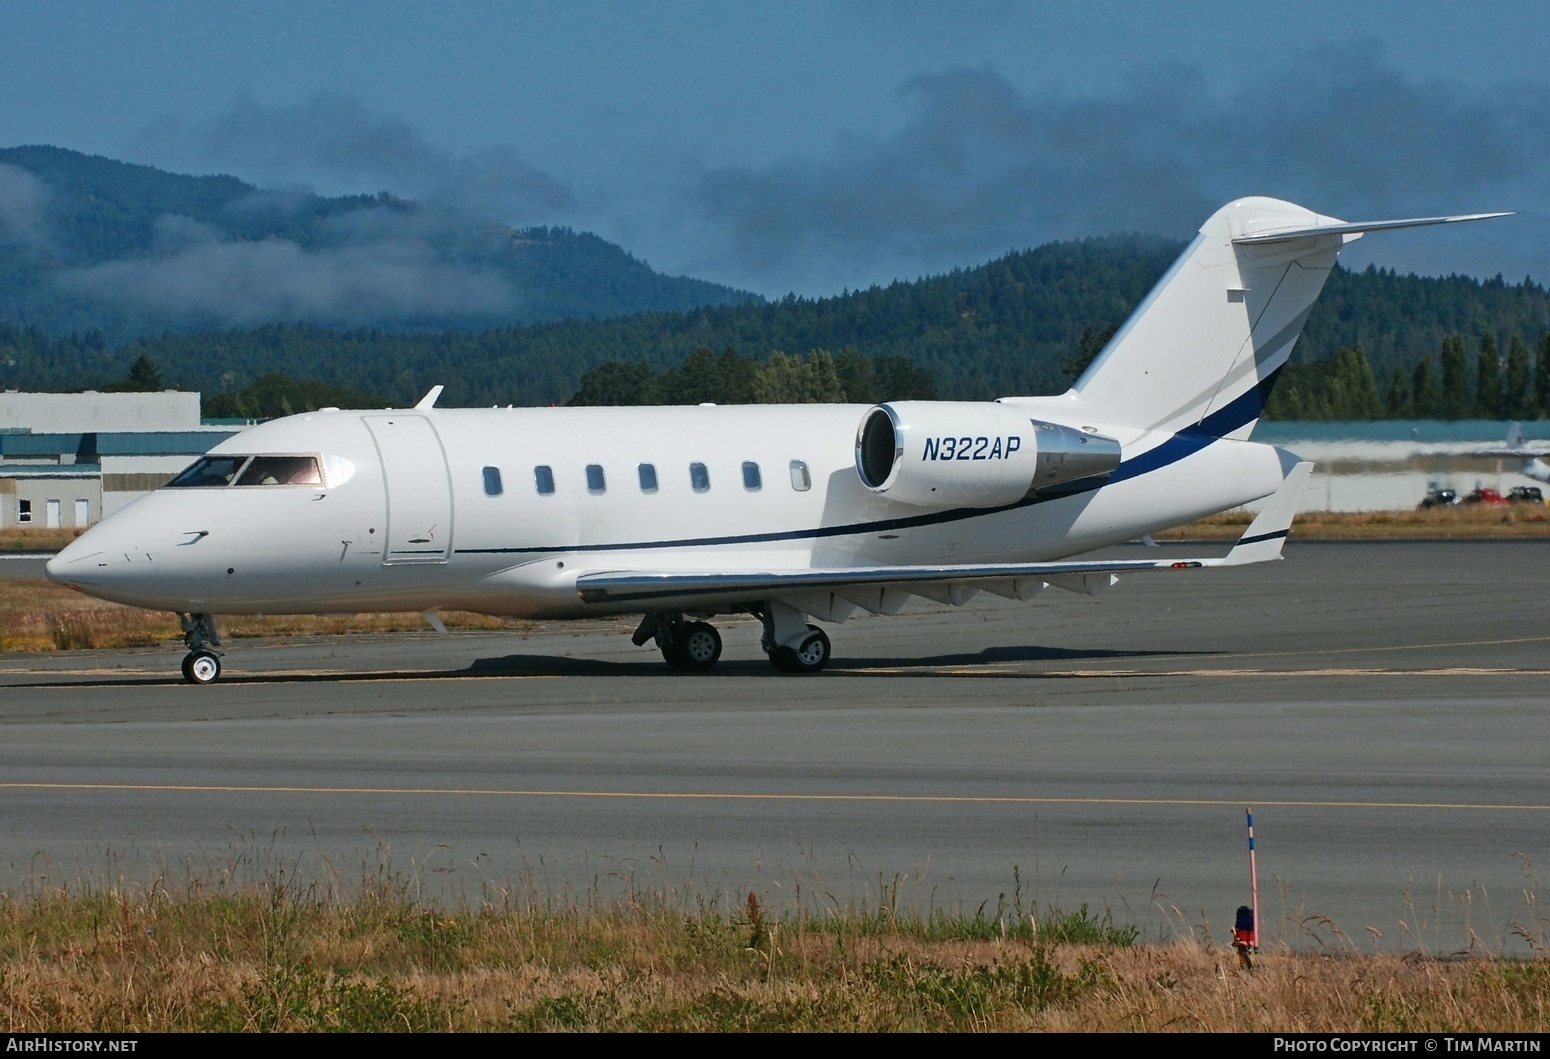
972 453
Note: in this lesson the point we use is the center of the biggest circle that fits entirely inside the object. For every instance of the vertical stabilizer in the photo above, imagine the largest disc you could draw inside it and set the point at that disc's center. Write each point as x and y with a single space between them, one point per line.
1203 347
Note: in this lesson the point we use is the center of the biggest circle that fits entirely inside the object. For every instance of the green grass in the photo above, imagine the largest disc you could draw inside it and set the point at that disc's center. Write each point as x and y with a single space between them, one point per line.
274 956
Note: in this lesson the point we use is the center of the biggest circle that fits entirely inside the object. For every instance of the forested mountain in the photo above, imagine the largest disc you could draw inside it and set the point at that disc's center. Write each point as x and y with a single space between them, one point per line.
91 245
1004 327
1022 324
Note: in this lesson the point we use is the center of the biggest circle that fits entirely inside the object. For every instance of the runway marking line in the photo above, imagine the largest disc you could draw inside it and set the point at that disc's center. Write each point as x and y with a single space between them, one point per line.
952 799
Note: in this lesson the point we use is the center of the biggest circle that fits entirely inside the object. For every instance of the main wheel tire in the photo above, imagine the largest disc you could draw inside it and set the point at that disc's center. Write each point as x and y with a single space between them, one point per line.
673 654
700 645
784 659
810 657
202 667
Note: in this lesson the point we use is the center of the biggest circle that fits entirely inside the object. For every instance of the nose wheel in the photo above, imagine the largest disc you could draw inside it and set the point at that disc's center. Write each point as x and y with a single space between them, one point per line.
202 667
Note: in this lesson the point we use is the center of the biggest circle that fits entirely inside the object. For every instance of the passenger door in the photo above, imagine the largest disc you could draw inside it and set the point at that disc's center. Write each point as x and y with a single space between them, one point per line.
419 492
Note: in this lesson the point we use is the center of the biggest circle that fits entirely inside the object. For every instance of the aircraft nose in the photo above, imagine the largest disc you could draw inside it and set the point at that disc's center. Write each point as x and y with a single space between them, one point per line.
72 564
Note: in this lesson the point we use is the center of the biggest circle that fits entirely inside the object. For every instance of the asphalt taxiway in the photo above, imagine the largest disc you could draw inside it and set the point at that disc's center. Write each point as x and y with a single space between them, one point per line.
1380 706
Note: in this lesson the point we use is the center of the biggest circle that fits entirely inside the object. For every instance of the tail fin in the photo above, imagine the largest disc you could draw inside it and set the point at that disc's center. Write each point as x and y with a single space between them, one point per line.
1204 347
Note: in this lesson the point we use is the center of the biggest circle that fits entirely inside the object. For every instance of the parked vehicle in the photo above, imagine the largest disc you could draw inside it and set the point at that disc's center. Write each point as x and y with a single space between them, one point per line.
1526 494
1487 496
1438 497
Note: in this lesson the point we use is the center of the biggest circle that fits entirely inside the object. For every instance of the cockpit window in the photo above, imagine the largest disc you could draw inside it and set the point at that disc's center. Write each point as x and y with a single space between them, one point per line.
209 471
219 471
281 470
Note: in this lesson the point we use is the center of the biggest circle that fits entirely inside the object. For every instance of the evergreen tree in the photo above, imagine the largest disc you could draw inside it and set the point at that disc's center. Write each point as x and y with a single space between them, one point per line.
1355 390
821 383
901 379
144 374
857 378
1094 338
1488 378
144 377
1423 395
708 377
1455 378
778 380
616 383
1399 395
1542 377
1517 399
277 394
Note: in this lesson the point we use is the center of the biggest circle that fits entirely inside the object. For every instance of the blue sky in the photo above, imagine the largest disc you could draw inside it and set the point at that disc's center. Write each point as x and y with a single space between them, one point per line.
813 146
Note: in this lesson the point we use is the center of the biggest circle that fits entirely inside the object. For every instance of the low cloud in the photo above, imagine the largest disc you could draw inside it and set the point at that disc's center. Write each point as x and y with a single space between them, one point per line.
23 205
980 168
194 276
336 139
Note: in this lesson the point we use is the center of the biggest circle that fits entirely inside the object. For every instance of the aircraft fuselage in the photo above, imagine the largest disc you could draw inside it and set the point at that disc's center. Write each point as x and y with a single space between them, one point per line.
501 510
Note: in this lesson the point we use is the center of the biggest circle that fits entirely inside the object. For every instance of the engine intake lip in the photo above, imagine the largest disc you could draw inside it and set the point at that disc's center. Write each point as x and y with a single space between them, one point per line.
879 448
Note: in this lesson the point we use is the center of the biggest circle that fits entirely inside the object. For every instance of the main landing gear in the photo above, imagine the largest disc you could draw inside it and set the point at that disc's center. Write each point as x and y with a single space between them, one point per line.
792 645
202 664
688 645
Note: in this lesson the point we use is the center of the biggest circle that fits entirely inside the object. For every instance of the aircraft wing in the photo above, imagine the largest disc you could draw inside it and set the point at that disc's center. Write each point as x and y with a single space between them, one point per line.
833 593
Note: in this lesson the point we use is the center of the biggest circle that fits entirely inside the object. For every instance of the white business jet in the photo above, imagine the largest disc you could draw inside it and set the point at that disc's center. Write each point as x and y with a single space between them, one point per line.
783 512
1535 467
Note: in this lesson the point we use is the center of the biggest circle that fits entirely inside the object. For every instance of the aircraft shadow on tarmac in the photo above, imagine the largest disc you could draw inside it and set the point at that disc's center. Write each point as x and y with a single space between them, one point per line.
649 665
559 665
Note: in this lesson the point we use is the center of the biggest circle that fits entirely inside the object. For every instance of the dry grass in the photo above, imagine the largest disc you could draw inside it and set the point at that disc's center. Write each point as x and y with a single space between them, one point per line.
1462 522
27 539
268 958
41 616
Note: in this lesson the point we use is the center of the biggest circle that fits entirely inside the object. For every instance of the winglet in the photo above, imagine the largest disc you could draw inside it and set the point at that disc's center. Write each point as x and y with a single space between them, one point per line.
1267 533
428 402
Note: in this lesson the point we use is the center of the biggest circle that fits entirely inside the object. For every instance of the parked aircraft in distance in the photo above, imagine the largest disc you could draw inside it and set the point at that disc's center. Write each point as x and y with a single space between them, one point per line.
785 512
1532 466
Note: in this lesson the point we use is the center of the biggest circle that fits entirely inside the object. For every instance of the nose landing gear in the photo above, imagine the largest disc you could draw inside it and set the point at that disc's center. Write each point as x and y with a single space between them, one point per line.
202 664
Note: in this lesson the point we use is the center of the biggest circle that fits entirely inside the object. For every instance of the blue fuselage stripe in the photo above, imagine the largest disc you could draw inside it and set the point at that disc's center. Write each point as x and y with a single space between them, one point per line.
1185 443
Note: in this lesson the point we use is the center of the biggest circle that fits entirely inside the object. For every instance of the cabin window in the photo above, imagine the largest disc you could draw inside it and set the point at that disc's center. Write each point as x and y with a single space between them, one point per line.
209 471
699 477
543 477
492 481
801 481
595 482
281 470
751 480
648 478
24 511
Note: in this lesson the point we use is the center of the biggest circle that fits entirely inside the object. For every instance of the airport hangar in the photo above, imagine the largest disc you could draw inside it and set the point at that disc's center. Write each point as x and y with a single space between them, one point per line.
68 460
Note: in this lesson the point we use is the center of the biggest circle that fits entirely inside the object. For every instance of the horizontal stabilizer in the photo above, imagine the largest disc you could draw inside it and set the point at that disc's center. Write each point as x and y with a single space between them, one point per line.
1267 533
1358 227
